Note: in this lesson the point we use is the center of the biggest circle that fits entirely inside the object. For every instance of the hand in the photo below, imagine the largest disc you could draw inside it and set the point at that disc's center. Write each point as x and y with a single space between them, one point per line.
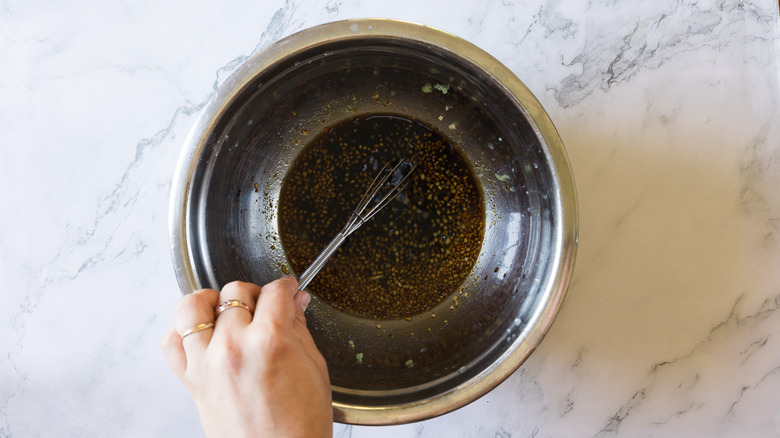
256 372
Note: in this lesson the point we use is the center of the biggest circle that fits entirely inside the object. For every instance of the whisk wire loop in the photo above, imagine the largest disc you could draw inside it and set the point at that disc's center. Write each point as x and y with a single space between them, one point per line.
362 213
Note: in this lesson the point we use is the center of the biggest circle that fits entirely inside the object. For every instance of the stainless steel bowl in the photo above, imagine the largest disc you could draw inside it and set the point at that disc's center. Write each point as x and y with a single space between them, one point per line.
223 212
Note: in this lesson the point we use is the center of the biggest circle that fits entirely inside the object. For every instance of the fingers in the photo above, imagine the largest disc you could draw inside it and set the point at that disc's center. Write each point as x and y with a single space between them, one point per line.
276 304
234 316
301 299
308 343
173 350
282 303
191 311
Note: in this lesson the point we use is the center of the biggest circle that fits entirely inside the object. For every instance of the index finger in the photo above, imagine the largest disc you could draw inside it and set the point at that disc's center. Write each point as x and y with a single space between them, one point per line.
276 303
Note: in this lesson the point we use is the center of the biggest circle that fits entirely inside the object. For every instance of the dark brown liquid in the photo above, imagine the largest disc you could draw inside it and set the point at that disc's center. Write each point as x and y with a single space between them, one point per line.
414 252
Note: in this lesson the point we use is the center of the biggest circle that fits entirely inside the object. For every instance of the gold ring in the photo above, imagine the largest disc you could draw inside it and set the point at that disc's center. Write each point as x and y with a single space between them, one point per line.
232 303
197 328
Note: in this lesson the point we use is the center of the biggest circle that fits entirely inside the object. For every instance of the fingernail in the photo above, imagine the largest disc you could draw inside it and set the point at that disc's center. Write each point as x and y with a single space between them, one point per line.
305 299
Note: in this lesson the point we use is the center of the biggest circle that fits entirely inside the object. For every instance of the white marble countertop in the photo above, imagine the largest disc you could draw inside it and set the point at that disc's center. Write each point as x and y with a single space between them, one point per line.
669 111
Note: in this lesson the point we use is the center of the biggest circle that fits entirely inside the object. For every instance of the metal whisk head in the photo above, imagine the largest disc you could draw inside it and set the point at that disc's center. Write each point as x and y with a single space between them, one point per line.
383 189
374 199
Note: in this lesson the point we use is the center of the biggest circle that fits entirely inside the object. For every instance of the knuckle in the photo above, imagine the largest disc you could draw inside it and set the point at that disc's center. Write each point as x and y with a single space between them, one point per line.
277 347
240 290
238 285
289 282
189 303
230 356
273 340
233 285
167 342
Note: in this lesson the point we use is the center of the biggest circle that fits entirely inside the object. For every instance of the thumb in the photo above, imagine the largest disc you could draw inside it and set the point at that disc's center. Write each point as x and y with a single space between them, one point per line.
302 299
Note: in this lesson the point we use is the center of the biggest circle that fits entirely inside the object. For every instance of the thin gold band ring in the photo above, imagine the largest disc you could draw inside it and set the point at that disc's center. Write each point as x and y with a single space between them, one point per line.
197 328
230 304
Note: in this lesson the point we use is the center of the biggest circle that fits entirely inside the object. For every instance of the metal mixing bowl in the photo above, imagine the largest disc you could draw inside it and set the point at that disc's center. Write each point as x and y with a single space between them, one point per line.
223 214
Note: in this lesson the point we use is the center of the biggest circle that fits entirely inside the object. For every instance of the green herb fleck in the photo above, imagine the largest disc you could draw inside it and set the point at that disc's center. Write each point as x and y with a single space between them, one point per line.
444 88
427 88
359 358
409 363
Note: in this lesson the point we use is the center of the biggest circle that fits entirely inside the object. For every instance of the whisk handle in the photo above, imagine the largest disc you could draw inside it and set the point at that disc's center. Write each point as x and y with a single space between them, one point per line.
319 262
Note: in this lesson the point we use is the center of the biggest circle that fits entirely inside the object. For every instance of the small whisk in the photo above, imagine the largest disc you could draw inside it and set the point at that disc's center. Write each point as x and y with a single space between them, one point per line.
373 200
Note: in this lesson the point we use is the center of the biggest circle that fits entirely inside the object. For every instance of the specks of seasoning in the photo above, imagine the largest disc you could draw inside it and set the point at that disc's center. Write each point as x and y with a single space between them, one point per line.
438 220
351 344
452 126
427 88
359 358
502 177
378 326
409 363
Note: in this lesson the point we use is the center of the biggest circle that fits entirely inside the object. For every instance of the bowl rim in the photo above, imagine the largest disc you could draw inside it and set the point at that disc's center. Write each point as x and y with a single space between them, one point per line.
565 235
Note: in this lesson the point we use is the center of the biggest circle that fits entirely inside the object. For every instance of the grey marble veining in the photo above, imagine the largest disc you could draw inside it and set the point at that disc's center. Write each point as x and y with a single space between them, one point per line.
668 111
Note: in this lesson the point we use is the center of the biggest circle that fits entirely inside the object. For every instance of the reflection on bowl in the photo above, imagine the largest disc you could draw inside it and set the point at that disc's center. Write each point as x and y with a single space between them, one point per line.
224 206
